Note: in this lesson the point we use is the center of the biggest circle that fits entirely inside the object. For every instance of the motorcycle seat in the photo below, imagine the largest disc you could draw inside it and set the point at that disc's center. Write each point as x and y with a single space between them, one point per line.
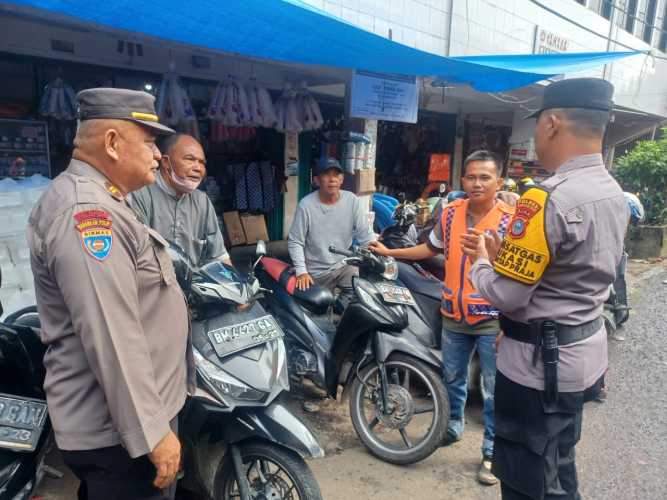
429 286
317 299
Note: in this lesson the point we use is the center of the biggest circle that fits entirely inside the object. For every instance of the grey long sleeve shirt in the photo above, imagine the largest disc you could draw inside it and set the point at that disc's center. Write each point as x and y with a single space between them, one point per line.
586 221
317 226
188 220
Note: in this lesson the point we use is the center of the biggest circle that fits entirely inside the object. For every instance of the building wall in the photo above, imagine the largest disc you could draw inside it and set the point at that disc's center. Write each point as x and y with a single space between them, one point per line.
509 26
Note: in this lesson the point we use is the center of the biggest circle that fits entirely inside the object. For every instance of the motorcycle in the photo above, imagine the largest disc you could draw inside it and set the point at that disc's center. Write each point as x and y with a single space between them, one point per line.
239 441
424 279
25 428
398 403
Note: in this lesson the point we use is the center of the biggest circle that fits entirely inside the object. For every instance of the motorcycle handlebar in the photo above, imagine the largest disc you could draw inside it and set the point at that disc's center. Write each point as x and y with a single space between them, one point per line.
344 253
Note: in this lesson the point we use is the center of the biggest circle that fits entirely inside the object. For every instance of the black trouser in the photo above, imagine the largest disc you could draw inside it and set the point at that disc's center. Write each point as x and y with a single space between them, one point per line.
110 474
535 440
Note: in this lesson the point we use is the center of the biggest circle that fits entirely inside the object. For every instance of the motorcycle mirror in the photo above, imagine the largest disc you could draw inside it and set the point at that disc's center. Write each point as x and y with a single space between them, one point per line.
260 249
443 188
254 286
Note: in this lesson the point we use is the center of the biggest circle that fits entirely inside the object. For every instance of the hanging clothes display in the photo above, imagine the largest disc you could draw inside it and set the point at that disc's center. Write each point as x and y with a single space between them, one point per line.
58 101
235 112
310 115
173 105
229 105
254 186
297 111
287 113
260 106
58 106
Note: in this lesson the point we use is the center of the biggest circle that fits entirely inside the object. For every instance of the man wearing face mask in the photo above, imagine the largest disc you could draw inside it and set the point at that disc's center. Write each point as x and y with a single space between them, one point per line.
176 209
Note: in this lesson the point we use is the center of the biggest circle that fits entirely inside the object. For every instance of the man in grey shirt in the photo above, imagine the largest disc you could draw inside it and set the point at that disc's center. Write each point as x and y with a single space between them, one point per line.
176 209
550 278
327 217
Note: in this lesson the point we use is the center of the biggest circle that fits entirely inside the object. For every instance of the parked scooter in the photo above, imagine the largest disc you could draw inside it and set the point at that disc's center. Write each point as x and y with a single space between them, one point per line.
398 402
239 441
25 428
424 279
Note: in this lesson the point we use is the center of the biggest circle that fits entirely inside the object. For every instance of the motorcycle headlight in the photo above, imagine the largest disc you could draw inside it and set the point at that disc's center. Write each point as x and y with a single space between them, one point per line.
390 269
222 383
367 293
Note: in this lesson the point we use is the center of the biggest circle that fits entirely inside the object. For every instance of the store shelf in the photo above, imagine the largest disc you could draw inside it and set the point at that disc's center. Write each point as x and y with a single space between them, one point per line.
12 150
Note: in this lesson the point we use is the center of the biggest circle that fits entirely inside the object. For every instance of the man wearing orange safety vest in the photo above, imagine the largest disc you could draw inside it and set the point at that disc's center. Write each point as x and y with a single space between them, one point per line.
469 321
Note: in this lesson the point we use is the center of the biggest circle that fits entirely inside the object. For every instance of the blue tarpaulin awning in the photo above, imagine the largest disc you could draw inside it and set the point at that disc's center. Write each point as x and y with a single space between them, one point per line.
292 31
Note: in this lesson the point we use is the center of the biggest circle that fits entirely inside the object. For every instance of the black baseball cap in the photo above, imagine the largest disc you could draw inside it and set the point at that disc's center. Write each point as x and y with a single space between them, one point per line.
328 163
120 104
582 93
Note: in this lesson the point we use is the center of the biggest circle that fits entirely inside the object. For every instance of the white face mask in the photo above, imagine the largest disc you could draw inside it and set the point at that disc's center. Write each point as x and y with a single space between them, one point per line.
181 183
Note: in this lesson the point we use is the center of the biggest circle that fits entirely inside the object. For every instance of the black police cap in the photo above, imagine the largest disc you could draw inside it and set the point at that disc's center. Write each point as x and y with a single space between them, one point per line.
120 104
582 93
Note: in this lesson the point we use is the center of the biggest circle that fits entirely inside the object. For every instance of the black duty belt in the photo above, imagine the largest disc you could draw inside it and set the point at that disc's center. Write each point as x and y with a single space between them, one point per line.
531 333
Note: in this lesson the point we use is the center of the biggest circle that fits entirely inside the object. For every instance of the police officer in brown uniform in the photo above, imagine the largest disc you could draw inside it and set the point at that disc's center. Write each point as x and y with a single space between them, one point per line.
550 278
119 360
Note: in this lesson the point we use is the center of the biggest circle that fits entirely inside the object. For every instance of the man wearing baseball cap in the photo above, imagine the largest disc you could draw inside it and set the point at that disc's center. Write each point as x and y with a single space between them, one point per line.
119 360
328 217
550 278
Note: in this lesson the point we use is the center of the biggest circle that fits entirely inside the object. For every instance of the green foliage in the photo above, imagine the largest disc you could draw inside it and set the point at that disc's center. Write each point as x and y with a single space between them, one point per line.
643 171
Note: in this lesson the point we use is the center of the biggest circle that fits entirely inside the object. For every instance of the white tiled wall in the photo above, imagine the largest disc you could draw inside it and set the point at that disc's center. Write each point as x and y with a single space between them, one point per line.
421 24
508 27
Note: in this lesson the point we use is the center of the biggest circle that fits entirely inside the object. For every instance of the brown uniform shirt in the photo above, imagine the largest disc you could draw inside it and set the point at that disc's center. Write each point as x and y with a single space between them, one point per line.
586 220
119 359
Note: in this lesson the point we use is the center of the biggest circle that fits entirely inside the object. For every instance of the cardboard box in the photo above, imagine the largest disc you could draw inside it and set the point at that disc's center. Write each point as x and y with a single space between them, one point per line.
364 181
234 228
254 227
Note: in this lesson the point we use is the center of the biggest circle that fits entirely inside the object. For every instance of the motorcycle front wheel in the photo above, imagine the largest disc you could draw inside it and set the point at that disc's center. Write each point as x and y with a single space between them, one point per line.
272 472
416 421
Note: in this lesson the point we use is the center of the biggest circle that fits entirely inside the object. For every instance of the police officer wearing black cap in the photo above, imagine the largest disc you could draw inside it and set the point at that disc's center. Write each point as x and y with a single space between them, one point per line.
119 360
550 278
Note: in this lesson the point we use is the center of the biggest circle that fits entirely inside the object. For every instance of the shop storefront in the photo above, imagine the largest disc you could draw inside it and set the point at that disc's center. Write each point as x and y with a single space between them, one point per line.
245 79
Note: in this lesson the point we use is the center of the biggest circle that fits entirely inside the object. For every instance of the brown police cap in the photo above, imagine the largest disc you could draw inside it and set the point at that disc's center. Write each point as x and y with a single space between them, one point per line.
120 104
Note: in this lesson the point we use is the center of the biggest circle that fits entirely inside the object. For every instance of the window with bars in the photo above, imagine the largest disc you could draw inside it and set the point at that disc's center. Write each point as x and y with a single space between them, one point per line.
631 16
662 44
649 21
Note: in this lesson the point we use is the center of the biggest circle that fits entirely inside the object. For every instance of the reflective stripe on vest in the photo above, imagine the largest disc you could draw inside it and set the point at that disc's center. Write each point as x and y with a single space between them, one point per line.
460 301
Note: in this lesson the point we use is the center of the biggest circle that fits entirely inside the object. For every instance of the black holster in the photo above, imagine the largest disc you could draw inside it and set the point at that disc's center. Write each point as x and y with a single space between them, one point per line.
549 347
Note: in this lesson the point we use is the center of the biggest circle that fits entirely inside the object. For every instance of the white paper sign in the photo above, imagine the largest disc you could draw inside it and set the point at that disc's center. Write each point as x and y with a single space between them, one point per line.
380 96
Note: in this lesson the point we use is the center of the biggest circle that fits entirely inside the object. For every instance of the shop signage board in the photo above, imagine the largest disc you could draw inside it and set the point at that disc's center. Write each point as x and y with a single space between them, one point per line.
381 96
24 148
548 42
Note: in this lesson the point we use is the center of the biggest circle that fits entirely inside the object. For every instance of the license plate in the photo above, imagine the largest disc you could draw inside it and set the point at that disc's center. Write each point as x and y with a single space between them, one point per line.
396 294
21 422
234 338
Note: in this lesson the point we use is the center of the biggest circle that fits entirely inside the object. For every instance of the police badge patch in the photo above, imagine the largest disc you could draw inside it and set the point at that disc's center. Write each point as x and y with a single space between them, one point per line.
525 210
94 226
524 254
